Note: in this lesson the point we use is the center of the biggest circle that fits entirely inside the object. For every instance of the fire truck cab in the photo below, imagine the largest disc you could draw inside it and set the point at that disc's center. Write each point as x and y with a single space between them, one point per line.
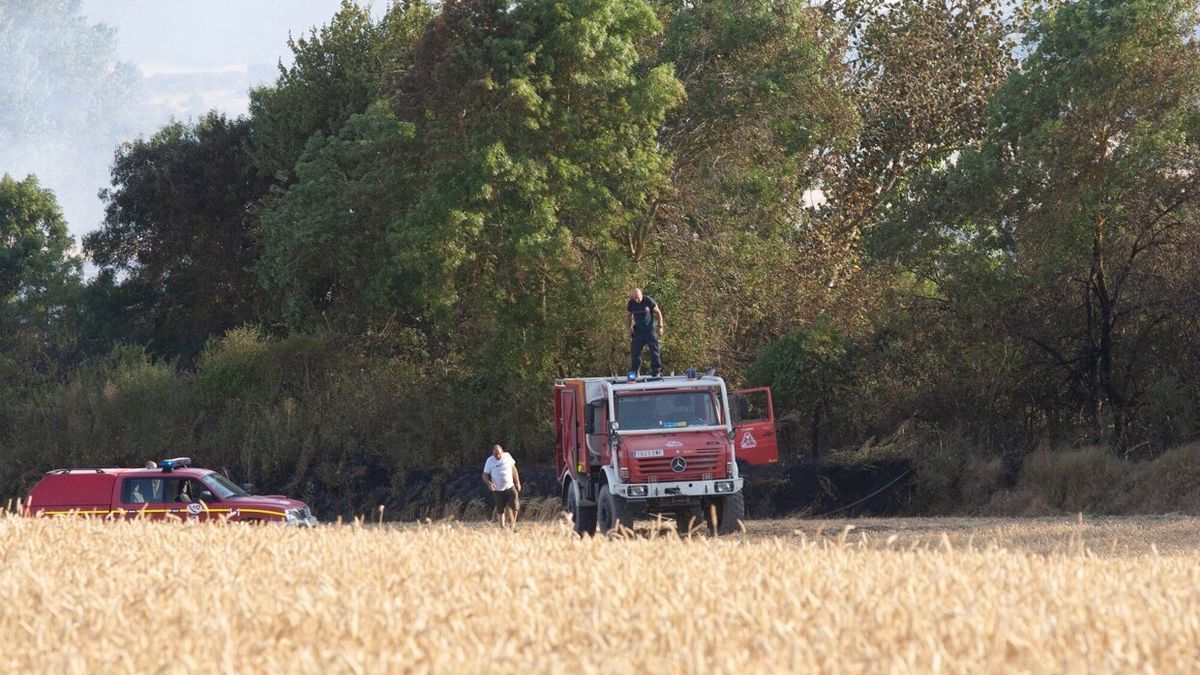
628 448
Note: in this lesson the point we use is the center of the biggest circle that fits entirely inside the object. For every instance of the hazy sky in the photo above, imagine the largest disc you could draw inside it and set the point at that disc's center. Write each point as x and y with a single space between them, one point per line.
194 55
203 54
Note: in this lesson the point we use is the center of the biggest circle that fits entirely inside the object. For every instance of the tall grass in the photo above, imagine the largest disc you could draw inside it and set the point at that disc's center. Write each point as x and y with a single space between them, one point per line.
305 416
84 596
1092 480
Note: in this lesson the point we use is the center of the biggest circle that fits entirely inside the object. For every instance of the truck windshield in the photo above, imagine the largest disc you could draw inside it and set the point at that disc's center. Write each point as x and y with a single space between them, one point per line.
222 487
667 410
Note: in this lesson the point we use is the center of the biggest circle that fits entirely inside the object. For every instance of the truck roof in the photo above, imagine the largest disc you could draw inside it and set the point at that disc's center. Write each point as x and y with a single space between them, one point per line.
594 386
113 471
645 380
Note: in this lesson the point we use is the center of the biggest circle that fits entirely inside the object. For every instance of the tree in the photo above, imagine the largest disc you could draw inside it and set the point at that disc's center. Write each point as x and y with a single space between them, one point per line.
336 150
810 372
921 75
1081 205
179 233
38 280
325 248
729 245
336 72
485 201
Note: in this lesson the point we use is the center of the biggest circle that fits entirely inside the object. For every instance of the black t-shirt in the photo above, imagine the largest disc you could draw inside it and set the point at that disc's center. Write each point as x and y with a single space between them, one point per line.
643 313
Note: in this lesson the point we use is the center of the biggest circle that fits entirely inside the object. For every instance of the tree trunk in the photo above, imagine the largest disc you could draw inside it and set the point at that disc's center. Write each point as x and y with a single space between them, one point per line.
815 431
1102 318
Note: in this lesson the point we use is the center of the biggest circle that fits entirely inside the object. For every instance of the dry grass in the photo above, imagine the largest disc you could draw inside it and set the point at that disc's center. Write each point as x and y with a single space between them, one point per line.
82 596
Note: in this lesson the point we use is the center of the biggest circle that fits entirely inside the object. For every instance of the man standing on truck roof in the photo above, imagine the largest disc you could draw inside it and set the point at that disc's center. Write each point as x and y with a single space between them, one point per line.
643 331
501 475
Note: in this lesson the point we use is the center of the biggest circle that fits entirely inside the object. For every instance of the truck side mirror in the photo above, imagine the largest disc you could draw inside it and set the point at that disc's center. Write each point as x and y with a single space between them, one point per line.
589 420
248 487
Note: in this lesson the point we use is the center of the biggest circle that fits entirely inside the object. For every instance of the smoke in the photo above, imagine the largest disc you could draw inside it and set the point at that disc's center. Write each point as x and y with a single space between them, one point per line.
66 103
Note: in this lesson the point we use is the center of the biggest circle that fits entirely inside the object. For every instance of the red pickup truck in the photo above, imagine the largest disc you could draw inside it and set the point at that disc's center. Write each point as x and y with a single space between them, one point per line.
169 489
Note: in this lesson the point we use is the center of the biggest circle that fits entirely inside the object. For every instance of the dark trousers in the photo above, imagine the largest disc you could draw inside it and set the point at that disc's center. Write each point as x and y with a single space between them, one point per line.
639 340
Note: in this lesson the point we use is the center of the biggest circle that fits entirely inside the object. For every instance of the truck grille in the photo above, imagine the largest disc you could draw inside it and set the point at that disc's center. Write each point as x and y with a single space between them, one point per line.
704 465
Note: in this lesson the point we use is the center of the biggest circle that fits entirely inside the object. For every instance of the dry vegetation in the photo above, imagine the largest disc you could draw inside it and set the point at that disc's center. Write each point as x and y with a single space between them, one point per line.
1042 596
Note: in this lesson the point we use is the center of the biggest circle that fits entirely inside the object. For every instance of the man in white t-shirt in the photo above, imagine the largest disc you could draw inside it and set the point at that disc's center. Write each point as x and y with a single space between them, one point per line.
501 475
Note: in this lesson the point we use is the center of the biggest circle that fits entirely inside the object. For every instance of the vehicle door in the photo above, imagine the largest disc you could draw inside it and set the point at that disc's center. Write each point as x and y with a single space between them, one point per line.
206 505
146 496
755 441
568 425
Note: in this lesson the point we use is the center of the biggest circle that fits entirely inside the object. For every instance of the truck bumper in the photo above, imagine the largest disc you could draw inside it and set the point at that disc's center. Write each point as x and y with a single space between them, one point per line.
685 488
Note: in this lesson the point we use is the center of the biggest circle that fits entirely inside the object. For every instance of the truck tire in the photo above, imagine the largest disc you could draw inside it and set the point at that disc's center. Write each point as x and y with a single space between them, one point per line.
612 512
733 511
686 520
584 517
711 512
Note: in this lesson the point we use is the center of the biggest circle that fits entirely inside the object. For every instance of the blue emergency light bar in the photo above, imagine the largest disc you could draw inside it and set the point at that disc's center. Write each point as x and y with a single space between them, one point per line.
168 465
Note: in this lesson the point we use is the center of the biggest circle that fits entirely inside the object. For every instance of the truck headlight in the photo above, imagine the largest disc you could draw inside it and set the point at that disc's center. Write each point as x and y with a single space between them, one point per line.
638 490
301 516
723 486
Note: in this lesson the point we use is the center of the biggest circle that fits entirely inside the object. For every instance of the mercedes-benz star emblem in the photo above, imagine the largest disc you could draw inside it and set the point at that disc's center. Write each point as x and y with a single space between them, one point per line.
678 464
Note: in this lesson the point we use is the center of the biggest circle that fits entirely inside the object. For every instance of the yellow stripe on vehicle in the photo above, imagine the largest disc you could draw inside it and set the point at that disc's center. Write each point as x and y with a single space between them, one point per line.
137 512
269 513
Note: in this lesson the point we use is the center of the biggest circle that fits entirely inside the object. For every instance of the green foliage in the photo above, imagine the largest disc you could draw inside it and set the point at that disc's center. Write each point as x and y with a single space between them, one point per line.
303 415
336 72
34 255
813 372
324 238
1085 184
764 110
179 230
923 75
39 281
802 368
489 199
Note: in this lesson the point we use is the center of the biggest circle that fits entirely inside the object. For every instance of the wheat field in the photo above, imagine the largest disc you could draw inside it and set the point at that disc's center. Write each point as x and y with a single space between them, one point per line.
84 596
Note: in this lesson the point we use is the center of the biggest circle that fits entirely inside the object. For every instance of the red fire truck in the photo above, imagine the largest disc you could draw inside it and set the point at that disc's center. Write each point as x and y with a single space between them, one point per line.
628 448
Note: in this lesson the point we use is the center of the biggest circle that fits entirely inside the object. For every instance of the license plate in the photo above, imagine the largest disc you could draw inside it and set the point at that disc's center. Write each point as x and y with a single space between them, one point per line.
642 454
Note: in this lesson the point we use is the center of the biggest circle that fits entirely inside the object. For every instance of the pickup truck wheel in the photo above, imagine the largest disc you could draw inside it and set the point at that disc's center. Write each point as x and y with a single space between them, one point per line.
612 512
584 516
733 511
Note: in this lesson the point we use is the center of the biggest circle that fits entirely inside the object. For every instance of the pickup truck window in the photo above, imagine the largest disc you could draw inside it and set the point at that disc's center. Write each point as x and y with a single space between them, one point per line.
667 410
222 487
158 490
143 491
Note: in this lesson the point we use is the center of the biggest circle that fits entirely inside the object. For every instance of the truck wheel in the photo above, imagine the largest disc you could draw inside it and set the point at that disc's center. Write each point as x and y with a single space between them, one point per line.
733 511
712 517
612 512
584 516
685 520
